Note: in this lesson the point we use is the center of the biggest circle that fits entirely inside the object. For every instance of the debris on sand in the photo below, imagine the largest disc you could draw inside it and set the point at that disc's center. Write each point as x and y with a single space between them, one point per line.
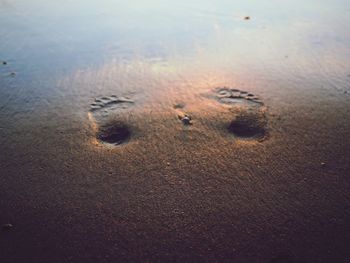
186 120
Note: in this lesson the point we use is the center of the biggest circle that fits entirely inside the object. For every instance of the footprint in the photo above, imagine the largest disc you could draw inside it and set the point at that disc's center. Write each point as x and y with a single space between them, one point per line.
109 115
235 96
249 119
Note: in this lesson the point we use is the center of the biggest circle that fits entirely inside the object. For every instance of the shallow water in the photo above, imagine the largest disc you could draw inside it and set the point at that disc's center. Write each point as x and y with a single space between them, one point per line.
175 192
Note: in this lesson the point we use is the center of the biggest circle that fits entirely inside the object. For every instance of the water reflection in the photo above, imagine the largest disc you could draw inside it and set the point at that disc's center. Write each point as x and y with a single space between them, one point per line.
89 32
282 39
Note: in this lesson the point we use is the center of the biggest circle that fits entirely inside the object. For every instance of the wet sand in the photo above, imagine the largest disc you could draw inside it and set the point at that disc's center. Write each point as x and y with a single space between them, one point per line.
98 162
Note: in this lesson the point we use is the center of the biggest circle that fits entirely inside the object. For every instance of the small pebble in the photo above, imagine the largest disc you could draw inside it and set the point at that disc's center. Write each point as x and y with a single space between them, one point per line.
186 120
247 18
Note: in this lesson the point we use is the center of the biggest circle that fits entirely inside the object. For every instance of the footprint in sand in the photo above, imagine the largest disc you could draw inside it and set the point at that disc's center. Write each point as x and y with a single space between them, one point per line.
234 96
249 113
109 116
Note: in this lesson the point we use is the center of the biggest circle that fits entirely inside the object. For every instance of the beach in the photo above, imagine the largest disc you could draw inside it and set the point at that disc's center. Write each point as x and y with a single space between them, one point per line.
174 132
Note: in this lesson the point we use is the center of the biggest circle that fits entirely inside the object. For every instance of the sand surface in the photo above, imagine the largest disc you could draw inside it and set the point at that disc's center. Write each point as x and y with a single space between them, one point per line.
174 131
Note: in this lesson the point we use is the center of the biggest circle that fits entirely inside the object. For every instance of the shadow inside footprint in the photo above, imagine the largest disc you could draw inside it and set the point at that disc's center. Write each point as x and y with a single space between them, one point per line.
248 125
114 133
